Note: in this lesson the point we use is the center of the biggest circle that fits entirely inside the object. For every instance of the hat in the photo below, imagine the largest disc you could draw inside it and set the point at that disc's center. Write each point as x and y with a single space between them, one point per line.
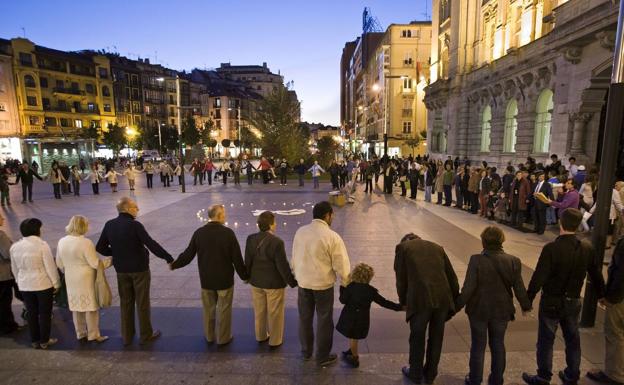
581 168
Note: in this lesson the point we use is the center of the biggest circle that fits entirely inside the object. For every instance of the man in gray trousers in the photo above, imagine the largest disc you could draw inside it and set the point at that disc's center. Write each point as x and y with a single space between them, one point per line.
319 254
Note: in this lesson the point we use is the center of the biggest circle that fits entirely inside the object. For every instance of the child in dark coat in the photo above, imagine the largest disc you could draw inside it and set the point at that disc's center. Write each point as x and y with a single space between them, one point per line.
354 319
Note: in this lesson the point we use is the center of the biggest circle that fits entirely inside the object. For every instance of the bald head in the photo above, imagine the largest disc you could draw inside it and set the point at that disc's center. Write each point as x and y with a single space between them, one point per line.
216 213
127 205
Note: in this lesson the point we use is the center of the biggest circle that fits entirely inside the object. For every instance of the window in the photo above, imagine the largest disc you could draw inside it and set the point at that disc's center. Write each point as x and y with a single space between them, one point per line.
445 10
78 123
45 102
91 107
95 124
76 106
135 93
136 107
135 80
543 115
406 33
34 120
486 129
217 103
75 86
407 127
107 108
64 122
2 107
105 91
31 100
29 81
171 99
60 84
407 84
43 82
25 59
127 92
408 59
62 105
103 73
50 121
89 88
171 111
511 126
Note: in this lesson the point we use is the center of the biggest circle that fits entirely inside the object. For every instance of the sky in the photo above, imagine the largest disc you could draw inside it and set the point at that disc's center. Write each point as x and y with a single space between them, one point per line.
303 39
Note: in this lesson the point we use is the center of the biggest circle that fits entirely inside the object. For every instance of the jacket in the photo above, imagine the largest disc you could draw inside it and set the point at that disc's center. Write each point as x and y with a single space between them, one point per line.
5 257
33 265
218 255
26 176
266 263
562 267
126 240
473 182
524 191
545 189
425 278
486 294
615 281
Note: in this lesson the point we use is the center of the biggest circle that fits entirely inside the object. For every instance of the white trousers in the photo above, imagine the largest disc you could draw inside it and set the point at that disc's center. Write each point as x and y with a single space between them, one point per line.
87 324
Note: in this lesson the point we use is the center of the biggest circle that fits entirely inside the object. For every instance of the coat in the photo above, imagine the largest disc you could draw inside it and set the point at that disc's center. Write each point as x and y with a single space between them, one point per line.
425 279
76 256
266 263
354 321
523 193
545 189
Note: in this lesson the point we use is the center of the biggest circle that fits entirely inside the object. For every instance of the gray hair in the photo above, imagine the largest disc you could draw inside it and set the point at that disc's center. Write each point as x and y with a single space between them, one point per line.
123 204
213 211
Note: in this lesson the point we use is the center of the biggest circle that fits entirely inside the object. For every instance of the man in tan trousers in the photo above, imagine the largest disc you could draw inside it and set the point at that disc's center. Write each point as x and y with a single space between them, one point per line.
218 254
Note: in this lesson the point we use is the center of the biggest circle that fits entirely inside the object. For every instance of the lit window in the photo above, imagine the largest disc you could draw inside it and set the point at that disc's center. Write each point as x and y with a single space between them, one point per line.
486 129
34 120
511 126
107 108
78 123
543 115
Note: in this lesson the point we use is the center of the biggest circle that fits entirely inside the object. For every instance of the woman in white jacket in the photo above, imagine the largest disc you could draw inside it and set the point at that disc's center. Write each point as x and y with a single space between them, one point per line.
76 256
131 173
95 178
37 278
111 176
56 178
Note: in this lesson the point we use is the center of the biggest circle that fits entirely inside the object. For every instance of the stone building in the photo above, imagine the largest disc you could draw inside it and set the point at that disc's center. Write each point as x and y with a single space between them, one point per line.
512 79
10 128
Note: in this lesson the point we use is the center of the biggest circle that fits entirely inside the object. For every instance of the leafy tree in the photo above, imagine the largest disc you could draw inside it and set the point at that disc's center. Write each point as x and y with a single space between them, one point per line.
413 143
169 138
277 120
114 137
206 132
148 137
327 148
190 134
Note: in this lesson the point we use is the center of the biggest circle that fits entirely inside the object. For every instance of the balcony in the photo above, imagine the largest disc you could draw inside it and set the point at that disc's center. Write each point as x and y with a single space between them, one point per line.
407 113
154 101
152 86
68 91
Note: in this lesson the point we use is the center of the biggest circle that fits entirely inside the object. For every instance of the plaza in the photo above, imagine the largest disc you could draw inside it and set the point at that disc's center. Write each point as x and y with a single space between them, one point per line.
370 227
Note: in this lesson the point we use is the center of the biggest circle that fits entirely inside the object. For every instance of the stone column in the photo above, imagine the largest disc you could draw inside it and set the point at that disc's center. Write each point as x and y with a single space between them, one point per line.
579 127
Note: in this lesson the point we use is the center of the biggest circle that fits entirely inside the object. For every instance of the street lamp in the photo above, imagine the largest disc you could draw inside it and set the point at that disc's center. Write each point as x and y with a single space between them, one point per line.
179 118
240 142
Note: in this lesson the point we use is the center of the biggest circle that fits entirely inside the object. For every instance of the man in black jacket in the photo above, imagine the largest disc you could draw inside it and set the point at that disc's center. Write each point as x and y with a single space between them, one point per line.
218 254
544 187
126 240
269 272
427 286
559 274
26 175
614 322
487 295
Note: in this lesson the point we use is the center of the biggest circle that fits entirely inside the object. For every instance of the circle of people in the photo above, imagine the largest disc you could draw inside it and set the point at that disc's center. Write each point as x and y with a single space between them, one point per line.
427 289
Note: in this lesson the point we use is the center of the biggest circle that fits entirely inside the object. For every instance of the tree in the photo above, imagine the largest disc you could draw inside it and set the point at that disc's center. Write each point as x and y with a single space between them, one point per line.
148 137
276 119
206 133
327 148
92 132
413 143
169 137
114 138
190 133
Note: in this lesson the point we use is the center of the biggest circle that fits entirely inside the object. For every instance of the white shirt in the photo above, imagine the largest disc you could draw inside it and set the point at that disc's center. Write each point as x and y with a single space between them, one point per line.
319 254
539 186
33 265
573 169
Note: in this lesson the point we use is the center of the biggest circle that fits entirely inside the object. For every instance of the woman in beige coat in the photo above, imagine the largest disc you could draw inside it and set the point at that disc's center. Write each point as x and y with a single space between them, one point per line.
76 256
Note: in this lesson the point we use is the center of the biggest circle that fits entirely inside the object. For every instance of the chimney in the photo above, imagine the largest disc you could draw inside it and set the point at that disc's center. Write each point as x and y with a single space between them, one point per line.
147 61
264 64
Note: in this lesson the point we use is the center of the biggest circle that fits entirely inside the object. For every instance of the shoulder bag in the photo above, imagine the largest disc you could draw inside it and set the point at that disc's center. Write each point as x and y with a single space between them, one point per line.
103 293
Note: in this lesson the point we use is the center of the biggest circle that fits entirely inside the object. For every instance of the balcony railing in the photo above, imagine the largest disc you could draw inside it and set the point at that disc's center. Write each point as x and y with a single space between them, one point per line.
154 101
70 91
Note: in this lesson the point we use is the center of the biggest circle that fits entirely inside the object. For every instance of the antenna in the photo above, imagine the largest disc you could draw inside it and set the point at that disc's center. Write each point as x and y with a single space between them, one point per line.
426 13
370 22
24 32
155 57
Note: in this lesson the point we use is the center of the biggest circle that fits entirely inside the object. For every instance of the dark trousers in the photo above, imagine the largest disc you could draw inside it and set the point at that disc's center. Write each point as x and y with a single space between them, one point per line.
180 180
517 215
196 176
165 180
448 195
539 219
249 178
300 180
57 190
440 197
343 181
387 184
134 290
7 322
39 310
413 187
76 187
434 319
150 180
369 185
484 332
265 176
323 302
236 177
403 189
224 176
65 188
474 202
283 178
96 188
209 177
335 182
27 190
459 198
547 329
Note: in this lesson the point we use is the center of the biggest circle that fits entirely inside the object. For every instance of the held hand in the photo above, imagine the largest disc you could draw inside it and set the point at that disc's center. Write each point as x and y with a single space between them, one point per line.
527 313
170 265
56 290
404 308
604 303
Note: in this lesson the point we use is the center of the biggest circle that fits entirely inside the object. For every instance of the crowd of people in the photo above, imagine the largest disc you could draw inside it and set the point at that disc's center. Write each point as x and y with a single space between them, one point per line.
428 290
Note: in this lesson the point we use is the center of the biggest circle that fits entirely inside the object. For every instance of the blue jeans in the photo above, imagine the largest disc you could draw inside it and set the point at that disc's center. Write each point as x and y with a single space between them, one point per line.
448 195
482 332
315 180
427 193
551 218
547 329
459 198
300 180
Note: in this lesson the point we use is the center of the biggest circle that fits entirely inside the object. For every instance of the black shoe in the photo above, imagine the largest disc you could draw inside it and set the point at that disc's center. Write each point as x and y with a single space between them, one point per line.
330 360
600 376
534 380
346 353
351 360
566 380
30 200
155 335
406 372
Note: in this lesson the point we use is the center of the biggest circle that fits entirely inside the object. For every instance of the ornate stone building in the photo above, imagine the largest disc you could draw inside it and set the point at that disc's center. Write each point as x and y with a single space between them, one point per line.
511 79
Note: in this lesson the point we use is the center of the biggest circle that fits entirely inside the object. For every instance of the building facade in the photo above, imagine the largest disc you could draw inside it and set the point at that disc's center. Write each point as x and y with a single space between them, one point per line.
512 79
10 128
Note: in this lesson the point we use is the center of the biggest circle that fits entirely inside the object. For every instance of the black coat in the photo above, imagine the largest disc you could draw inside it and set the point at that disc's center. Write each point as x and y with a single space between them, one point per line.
218 254
26 176
354 320
615 282
266 263
546 189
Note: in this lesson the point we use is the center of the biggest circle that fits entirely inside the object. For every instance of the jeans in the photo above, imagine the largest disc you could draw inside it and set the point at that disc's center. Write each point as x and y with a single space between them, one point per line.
321 301
197 176
208 177
433 320
369 185
134 289
76 185
459 198
448 195
283 178
315 181
403 189
546 337
27 190
39 307
300 180
551 218
413 187
482 332
428 194
57 190
96 188
150 180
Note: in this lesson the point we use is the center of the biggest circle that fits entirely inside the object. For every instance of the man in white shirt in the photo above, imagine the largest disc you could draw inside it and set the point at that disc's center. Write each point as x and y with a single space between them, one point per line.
572 167
319 255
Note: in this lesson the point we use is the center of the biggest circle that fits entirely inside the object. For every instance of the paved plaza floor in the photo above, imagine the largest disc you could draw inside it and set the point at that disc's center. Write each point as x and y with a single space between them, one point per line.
371 227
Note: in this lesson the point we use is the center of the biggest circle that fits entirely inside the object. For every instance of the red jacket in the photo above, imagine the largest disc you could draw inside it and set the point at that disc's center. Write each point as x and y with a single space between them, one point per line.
524 193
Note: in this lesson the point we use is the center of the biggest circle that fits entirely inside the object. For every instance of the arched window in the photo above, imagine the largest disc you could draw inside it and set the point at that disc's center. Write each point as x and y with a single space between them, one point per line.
511 126
486 129
29 81
105 91
543 114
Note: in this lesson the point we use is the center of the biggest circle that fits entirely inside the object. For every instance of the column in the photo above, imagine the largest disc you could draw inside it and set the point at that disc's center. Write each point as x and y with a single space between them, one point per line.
579 126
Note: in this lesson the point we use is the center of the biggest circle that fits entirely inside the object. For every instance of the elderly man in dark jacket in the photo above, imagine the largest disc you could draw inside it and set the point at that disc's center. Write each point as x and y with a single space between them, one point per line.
218 254
520 191
269 272
427 286
26 175
126 240
487 295
544 187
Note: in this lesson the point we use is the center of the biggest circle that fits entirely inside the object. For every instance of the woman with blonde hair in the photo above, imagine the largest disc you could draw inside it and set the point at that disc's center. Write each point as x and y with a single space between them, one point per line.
76 256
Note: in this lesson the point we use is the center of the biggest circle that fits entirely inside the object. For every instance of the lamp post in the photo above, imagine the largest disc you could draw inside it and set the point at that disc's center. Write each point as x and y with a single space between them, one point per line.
240 142
179 125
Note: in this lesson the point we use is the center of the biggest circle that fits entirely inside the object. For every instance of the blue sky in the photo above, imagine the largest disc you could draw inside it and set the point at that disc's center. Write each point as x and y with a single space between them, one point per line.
301 38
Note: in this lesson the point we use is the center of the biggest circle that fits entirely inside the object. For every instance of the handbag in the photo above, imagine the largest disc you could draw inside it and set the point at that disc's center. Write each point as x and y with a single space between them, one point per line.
103 294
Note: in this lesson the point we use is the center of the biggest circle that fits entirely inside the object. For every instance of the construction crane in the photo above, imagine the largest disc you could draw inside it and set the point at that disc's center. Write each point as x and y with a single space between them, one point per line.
370 22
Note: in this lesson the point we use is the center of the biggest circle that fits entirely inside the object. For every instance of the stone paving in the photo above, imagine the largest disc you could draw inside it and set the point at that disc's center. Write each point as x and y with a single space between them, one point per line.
371 227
